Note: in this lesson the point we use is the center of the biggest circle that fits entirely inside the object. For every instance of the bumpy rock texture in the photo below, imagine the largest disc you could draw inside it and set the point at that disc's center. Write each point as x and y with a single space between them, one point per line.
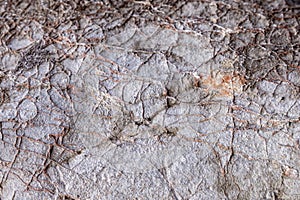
149 99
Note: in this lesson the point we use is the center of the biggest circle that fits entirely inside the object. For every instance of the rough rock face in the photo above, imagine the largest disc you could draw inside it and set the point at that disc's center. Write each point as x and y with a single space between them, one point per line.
149 99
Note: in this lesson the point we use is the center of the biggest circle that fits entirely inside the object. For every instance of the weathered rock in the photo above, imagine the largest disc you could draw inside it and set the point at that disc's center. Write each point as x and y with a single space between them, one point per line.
149 100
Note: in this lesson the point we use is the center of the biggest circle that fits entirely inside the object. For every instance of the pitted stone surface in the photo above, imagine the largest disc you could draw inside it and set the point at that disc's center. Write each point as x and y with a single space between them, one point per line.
149 100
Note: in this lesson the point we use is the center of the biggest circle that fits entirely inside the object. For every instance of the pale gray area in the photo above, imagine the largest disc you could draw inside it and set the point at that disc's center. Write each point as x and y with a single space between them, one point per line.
149 100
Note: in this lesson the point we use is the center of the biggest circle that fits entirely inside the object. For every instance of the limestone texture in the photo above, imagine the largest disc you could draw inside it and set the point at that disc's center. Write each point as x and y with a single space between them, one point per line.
177 100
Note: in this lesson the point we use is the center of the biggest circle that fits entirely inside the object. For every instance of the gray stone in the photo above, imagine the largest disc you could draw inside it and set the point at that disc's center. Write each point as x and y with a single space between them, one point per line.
149 100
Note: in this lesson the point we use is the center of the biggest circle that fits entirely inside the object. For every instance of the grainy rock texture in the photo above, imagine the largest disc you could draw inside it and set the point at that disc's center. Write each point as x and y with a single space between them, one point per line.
149 99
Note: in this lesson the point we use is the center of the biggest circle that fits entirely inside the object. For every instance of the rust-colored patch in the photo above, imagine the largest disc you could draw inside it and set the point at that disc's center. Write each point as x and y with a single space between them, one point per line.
227 79
223 84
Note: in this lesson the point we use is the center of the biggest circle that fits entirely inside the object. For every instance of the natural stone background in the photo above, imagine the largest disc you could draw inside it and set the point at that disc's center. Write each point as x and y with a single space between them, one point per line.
149 99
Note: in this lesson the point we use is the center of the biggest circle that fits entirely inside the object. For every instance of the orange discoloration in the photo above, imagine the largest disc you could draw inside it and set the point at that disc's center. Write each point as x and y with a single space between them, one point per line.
227 78
223 84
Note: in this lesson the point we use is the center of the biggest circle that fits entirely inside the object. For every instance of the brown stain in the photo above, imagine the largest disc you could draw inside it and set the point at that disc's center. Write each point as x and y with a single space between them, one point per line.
224 84
227 79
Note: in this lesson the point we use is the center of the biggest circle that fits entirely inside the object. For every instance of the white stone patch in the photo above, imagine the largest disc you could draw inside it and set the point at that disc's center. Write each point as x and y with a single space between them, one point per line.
28 110
18 44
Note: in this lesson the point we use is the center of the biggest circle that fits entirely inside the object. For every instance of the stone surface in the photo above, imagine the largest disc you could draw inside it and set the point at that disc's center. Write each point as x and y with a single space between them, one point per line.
149 100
